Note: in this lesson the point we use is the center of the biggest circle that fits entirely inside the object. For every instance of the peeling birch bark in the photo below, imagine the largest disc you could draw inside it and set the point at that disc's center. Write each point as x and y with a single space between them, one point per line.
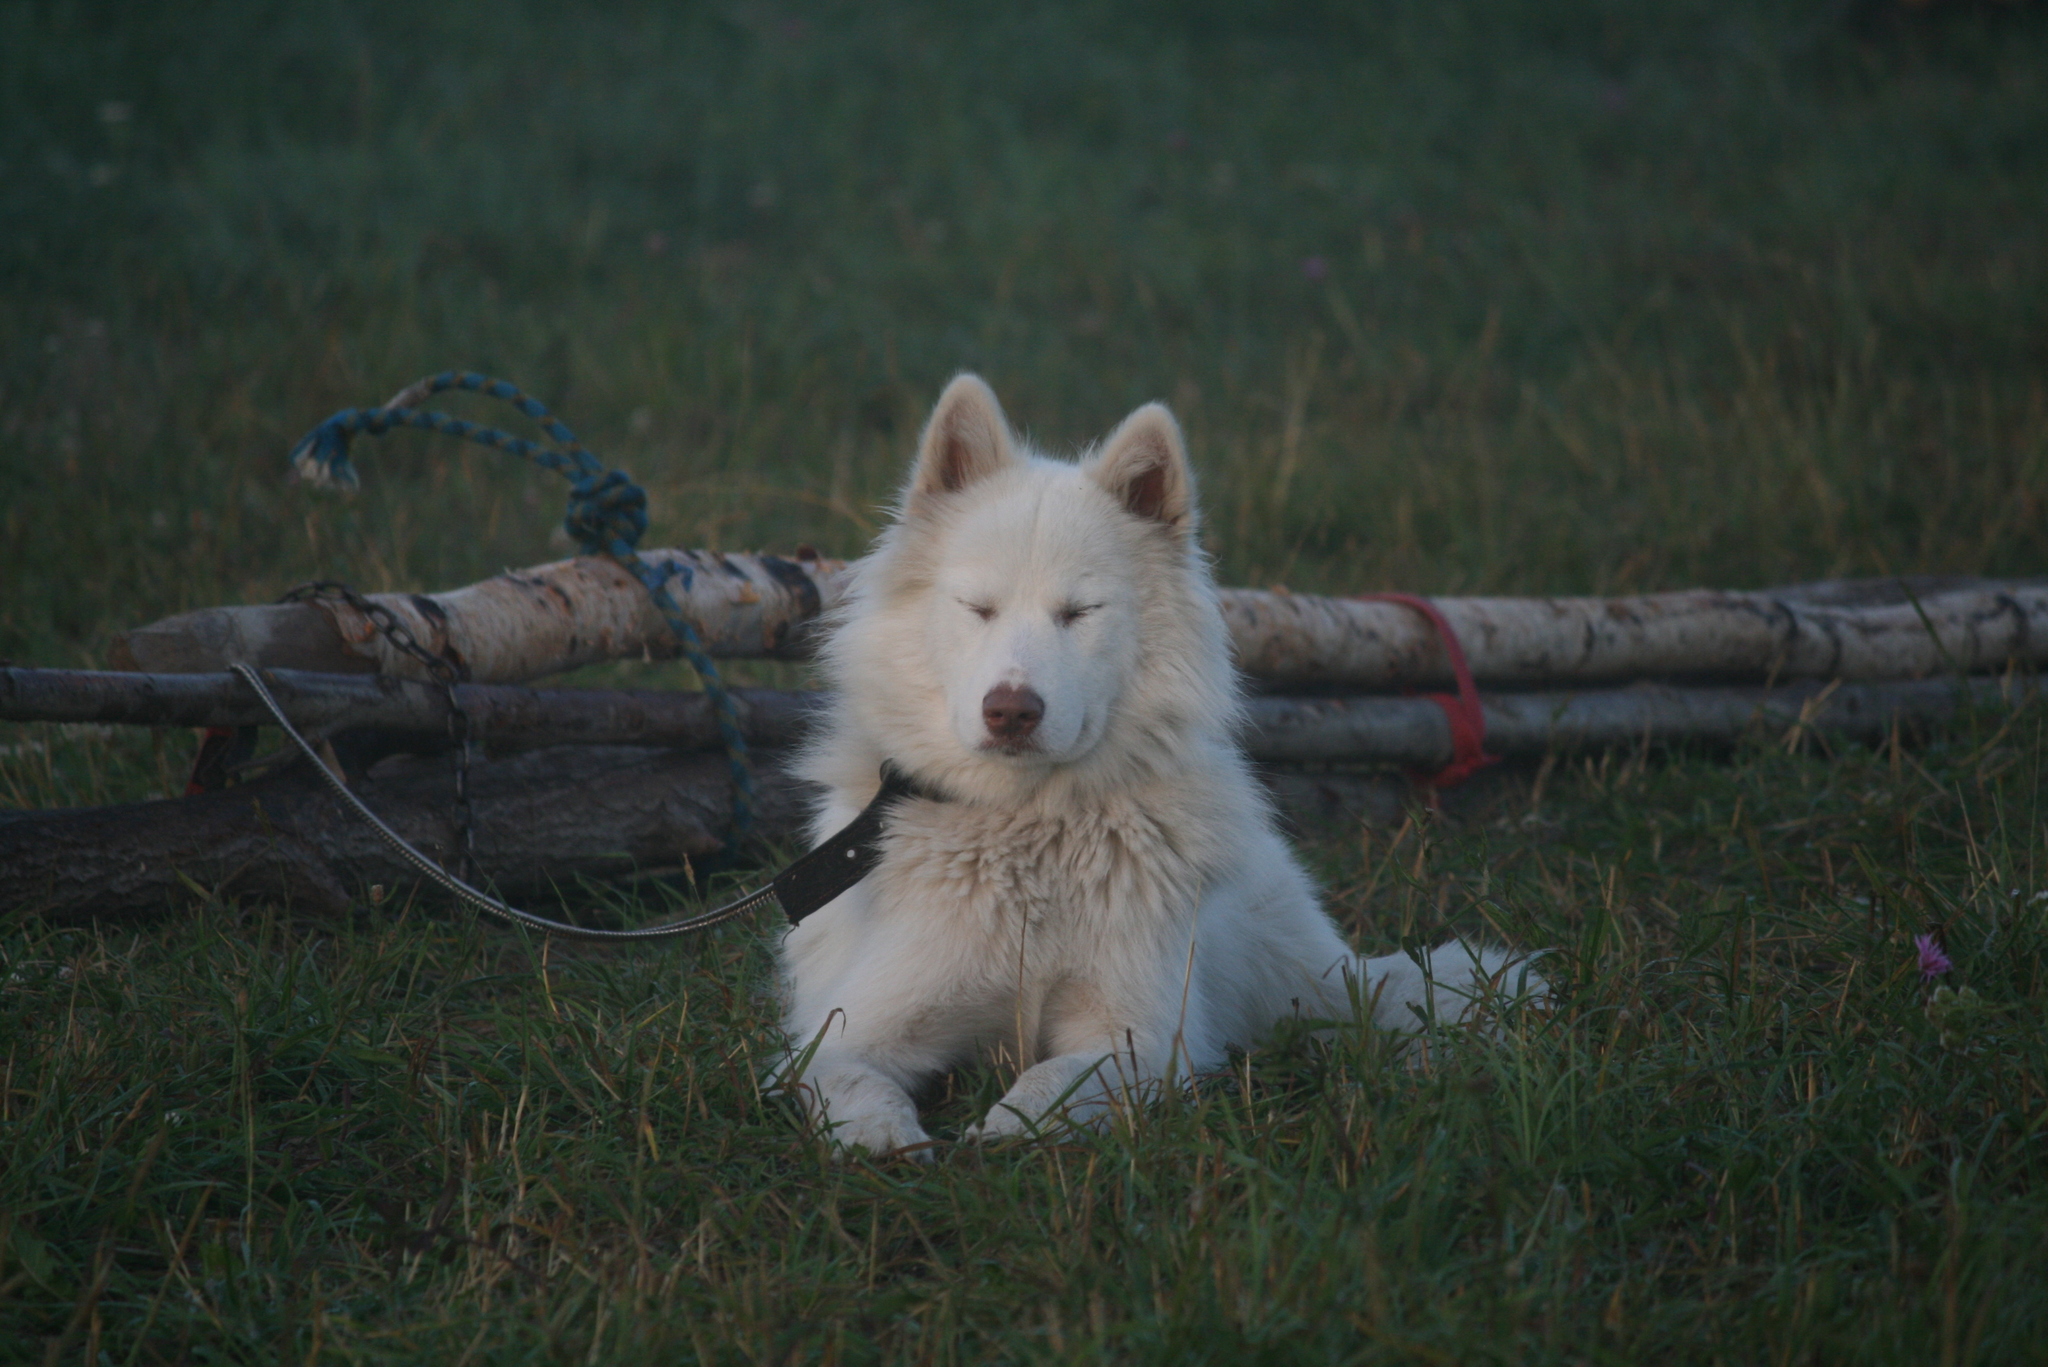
1841 630
529 623
522 624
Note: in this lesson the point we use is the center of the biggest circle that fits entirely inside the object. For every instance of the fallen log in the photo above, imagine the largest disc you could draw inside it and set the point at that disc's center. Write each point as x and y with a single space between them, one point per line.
1414 731
320 704
545 820
549 817
1845 629
530 623
1279 730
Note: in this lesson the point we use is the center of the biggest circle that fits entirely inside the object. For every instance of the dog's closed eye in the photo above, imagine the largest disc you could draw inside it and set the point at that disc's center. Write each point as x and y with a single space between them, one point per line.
985 611
1074 612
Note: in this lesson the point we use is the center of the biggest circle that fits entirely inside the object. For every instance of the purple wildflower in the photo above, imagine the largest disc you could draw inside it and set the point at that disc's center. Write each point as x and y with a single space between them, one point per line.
1314 267
1933 963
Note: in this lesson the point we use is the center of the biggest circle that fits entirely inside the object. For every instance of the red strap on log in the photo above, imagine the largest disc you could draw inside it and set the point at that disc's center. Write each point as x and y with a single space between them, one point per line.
1461 710
209 766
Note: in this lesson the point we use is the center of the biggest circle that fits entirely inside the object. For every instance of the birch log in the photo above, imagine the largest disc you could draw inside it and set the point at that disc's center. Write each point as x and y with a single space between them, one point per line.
1279 730
1855 630
522 624
526 624
1414 731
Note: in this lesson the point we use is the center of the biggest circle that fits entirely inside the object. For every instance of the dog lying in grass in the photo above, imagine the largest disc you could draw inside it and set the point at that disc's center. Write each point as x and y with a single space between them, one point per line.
1096 891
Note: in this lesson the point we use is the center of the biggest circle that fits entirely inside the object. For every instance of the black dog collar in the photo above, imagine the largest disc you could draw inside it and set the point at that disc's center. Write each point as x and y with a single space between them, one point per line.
848 856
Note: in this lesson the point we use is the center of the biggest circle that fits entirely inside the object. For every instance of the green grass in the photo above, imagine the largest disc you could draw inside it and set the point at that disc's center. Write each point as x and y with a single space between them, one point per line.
1610 297
402 1139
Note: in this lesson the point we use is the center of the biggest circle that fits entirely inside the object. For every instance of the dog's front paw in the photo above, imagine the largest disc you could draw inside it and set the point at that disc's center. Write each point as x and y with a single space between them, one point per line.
1001 1124
880 1134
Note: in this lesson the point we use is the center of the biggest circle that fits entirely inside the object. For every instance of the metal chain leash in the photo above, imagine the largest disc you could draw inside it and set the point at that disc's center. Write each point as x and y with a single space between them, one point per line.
483 901
444 671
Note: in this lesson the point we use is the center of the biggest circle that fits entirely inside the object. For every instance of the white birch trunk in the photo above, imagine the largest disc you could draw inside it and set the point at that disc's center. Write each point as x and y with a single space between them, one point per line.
528 623
522 624
1855 631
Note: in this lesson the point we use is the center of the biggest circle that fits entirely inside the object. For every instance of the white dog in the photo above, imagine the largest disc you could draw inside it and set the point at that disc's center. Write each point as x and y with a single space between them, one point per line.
1098 896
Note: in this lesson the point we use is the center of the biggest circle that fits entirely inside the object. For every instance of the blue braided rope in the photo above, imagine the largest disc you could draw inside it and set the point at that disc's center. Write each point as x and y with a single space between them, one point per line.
607 515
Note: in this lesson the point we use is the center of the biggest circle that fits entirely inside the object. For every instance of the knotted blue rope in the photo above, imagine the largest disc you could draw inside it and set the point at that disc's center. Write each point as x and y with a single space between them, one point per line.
607 515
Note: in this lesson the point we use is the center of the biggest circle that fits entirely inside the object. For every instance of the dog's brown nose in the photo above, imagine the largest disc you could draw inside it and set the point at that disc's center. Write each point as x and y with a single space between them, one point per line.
1011 713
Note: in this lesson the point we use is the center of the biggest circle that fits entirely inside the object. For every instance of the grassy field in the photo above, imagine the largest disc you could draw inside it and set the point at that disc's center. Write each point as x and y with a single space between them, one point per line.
1476 296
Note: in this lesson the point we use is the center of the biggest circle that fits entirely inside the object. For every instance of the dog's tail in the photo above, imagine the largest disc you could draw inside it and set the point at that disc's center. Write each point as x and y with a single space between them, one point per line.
1409 992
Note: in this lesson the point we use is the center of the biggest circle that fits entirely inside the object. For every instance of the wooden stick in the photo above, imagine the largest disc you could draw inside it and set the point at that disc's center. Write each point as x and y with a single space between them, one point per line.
1281 730
526 624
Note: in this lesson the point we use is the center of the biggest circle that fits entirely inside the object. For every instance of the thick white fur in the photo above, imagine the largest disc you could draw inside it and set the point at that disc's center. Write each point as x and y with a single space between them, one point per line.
1108 909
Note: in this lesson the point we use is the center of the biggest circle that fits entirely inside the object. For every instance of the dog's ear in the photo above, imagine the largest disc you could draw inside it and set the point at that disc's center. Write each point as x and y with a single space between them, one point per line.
1144 466
966 440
